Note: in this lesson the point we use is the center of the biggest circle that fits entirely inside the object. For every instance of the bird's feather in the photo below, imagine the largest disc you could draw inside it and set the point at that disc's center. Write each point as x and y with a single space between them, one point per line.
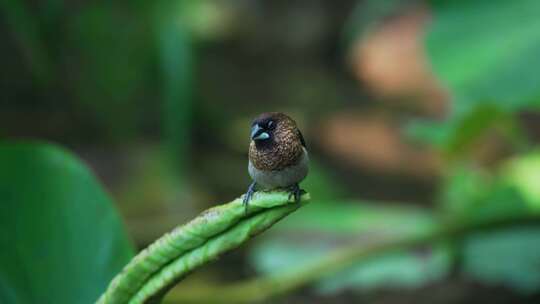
302 139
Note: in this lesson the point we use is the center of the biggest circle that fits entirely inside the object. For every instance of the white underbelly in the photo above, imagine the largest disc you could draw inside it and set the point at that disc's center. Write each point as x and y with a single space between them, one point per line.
281 178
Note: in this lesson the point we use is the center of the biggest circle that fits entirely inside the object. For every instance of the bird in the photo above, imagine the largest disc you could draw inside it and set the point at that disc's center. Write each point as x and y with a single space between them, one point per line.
278 157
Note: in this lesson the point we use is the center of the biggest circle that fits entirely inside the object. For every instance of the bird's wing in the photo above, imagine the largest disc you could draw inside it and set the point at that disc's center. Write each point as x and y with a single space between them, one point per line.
302 139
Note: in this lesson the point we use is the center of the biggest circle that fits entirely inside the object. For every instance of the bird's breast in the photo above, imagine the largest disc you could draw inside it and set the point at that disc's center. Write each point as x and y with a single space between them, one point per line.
275 157
283 177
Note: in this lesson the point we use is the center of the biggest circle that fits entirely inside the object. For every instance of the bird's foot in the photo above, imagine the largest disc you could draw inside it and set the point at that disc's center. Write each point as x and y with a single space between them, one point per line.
296 192
248 196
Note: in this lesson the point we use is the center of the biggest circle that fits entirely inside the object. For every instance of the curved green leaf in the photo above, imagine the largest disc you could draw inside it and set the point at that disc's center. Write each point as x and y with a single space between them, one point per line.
169 259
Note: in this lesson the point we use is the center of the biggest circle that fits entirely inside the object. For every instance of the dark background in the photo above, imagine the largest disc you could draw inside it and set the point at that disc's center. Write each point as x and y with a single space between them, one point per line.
427 106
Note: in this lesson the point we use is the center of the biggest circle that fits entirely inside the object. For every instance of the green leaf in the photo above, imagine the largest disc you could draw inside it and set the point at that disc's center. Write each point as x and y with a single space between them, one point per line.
62 240
470 195
499 203
486 51
459 133
217 230
321 228
486 54
470 127
509 257
523 173
404 269
462 187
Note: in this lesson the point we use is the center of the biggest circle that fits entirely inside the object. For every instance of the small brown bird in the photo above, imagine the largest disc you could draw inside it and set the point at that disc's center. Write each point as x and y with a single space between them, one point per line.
277 155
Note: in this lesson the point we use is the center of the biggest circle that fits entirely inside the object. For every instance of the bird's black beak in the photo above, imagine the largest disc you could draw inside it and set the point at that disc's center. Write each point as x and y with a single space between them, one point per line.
258 133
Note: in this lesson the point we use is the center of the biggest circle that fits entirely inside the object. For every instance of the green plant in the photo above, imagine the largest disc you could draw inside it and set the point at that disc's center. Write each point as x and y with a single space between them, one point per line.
482 53
160 266
63 242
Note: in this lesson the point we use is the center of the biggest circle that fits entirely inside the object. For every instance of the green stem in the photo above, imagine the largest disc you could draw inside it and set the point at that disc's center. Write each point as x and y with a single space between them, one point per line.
160 266
267 287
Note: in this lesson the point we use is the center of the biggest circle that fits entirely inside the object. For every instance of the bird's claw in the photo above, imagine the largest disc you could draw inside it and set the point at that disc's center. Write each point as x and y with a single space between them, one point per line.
296 193
248 196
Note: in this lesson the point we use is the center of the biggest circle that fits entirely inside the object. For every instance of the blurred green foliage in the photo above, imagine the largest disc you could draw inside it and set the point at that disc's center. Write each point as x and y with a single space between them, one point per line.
508 257
523 174
108 62
116 63
395 270
485 53
314 233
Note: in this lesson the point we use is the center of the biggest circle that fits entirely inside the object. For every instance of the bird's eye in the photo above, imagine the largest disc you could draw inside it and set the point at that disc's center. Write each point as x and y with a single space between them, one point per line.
270 124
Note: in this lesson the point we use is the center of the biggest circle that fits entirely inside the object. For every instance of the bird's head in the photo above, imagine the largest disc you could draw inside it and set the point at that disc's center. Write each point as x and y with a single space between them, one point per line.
263 127
272 128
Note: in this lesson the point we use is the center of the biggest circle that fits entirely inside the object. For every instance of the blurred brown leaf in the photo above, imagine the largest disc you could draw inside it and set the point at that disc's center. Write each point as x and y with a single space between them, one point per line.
392 62
371 141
